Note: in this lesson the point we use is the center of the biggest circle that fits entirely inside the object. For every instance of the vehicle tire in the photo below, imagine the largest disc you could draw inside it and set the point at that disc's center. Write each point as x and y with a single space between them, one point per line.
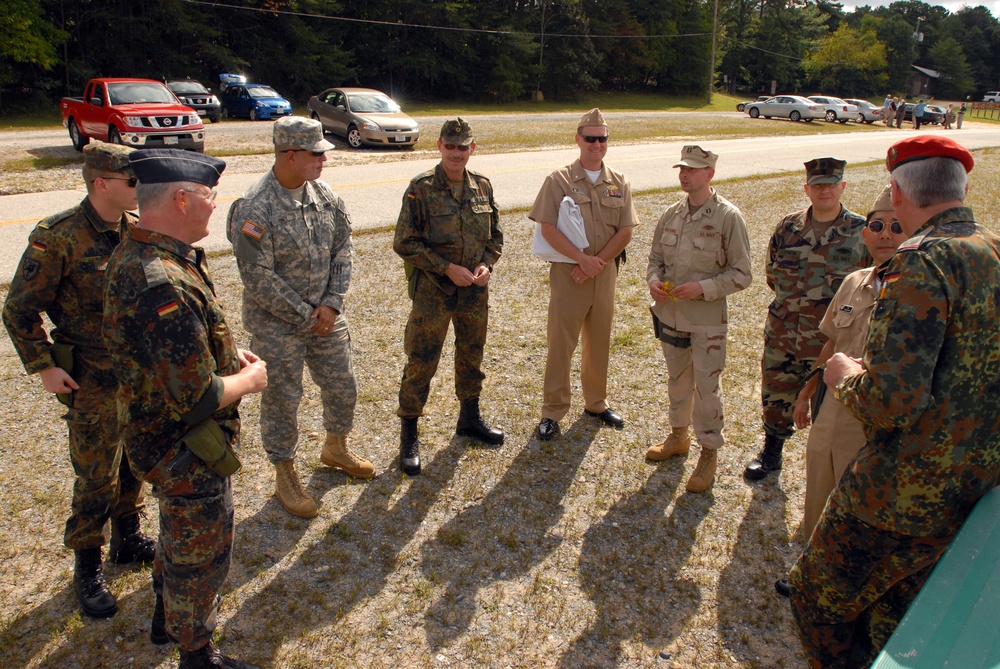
795 116
870 122
861 119
253 115
354 137
754 112
831 116
809 120
741 107
114 137
215 119
767 117
225 113
79 140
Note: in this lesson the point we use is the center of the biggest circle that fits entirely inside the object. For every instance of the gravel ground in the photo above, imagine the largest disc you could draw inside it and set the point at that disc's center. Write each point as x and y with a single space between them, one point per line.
571 553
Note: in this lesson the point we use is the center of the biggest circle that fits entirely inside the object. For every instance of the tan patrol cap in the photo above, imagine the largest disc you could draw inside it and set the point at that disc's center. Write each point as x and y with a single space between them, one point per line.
825 171
592 118
298 132
456 131
696 157
882 203
104 157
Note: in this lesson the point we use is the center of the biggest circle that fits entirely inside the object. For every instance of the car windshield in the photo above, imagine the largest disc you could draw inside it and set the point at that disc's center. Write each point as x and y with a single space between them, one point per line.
187 88
372 103
263 92
136 93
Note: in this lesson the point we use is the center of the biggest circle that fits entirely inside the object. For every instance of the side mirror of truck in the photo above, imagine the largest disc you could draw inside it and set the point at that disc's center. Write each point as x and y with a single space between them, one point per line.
97 102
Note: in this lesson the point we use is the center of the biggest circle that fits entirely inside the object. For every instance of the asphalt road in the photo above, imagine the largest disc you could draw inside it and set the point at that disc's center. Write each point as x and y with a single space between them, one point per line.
373 192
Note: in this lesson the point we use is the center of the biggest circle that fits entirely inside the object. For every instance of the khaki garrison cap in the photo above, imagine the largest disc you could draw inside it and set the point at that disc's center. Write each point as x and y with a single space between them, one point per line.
592 118
883 202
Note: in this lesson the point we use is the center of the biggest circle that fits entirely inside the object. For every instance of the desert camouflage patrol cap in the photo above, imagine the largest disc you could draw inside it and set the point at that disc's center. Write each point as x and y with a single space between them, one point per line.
105 157
883 202
456 131
592 118
825 171
696 157
298 132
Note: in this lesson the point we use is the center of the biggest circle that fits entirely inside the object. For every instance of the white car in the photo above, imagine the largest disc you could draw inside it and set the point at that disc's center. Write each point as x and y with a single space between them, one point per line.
867 112
836 109
792 107
992 96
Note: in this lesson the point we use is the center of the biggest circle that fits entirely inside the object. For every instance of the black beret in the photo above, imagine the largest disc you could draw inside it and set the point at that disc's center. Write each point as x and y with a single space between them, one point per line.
157 166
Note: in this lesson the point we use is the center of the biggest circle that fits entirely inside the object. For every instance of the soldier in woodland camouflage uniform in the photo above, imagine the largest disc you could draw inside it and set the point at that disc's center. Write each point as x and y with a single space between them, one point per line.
810 254
180 374
292 239
449 237
928 392
62 274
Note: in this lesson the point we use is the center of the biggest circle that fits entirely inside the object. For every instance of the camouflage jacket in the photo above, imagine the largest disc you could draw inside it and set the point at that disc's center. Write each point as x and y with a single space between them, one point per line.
436 229
62 274
805 272
292 258
930 392
169 342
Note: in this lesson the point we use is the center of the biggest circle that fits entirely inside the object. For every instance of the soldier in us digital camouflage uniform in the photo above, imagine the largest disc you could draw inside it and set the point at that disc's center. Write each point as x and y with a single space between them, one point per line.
808 257
181 377
449 237
928 392
62 274
292 239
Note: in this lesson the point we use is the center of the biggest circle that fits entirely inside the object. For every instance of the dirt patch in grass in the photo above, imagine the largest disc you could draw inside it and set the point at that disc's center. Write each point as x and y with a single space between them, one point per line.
570 553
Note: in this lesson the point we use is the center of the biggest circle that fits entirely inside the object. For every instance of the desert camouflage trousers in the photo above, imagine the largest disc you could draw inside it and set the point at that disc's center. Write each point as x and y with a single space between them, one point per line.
194 549
788 358
331 367
468 309
105 486
852 585
694 385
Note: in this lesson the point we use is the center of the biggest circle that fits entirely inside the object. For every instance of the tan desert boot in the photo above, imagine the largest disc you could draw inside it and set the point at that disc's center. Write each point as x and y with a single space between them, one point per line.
336 454
290 493
704 473
678 443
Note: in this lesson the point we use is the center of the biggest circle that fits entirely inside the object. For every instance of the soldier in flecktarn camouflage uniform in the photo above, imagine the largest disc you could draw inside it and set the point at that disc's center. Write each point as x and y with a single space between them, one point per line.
449 237
928 393
62 274
292 239
809 255
181 378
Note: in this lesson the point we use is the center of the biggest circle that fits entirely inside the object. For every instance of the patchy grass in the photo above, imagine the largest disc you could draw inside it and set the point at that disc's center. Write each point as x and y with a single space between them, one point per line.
570 553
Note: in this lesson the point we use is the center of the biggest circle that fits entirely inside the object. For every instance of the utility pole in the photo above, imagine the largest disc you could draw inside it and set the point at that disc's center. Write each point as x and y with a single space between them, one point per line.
711 69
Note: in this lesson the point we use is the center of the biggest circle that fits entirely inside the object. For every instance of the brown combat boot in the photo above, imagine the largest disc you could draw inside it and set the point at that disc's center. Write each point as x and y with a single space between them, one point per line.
704 473
336 454
677 443
290 493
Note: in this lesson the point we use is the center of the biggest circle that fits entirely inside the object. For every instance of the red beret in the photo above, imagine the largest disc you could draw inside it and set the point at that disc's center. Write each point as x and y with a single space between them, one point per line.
927 146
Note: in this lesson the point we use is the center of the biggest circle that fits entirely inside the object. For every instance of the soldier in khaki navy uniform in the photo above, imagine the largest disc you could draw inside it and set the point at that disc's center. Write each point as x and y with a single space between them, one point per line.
448 235
808 257
181 380
928 392
292 239
700 254
583 294
62 274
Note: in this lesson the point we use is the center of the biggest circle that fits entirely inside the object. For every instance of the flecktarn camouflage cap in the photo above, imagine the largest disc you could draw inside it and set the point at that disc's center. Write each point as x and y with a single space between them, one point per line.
105 157
456 131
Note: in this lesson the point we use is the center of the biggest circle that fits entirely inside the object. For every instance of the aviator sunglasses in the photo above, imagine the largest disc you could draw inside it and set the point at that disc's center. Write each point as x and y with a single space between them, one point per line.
316 154
590 139
878 226
459 147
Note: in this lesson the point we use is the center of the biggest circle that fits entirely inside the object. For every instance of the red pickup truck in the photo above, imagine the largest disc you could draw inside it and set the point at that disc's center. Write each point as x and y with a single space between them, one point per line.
138 112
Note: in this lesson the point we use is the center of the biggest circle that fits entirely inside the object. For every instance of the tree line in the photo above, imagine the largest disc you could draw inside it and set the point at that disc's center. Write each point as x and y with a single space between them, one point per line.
496 50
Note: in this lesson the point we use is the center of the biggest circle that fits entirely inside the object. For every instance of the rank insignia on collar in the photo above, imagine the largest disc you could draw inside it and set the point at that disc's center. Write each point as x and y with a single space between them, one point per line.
846 308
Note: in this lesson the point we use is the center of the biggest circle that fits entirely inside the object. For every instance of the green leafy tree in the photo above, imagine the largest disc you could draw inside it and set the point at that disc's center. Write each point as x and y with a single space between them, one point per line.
949 60
848 62
28 45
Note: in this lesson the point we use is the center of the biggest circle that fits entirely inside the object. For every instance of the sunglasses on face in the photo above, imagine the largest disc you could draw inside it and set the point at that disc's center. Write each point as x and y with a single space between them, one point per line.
590 139
878 226
457 147
130 181
315 154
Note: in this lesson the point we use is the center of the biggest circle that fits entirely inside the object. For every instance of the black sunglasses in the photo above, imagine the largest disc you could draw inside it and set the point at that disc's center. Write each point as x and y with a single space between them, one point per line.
878 226
461 147
132 181
316 154
590 139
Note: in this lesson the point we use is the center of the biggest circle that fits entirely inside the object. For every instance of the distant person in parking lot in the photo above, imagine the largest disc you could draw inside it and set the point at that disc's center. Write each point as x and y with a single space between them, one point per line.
887 106
961 115
900 111
918 114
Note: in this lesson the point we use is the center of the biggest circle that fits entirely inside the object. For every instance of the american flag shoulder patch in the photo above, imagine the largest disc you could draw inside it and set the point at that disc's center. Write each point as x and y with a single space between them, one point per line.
251 229
167 309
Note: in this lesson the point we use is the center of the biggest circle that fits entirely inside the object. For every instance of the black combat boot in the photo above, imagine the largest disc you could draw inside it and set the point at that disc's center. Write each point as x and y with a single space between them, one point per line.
128 544
767 461
158 629
207 657
96 600
409 447
471 424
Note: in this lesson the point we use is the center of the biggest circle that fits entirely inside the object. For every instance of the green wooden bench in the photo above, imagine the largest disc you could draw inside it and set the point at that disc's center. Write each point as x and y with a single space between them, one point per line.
955 620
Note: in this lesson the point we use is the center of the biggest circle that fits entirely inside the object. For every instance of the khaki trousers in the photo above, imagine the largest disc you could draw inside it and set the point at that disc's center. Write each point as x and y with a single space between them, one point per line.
576 309
694 385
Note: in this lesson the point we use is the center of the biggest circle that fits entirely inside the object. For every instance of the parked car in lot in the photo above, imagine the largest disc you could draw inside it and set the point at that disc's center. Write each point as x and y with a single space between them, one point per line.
836 109
364 116
992 96
867 112
252 101
933 115
193 94
792 107
743 105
